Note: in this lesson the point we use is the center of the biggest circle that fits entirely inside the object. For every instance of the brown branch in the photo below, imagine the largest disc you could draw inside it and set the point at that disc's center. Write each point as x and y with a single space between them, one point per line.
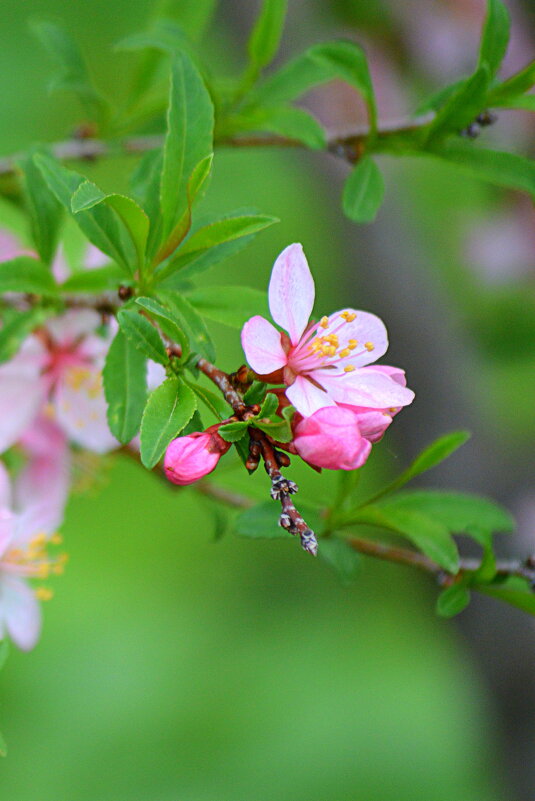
349 147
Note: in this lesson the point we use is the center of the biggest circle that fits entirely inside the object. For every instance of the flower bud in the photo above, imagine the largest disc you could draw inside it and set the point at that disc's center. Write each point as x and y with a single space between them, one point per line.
331 438
189 458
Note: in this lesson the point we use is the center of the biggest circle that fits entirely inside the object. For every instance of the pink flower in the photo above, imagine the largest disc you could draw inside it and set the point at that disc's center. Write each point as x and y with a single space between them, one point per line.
331 438
191 457
58 370
374 422
30 511
320 363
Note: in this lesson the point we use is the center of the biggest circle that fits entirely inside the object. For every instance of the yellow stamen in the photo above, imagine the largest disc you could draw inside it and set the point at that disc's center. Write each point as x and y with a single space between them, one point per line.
348 316
324 322
56 539
345 352
352 344
348 368
43 594
369 346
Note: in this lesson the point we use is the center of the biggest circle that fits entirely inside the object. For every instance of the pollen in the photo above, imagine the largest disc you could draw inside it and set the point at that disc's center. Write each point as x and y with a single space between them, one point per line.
349 368
43 594
324 322
345 352
348 316
352 344
56 539
369 346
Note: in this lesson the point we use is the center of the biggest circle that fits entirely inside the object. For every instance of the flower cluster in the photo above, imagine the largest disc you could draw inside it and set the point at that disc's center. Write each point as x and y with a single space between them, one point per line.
343 402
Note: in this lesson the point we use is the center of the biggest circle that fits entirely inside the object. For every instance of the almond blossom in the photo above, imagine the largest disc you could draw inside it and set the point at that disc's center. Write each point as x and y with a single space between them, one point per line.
321 363
193 456
31 508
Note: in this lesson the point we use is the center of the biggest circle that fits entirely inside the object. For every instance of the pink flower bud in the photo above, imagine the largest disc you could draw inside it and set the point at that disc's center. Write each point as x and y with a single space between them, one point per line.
189 458
331 438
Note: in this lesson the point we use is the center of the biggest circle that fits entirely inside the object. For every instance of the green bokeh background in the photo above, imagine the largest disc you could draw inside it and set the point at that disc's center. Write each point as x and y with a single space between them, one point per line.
176 668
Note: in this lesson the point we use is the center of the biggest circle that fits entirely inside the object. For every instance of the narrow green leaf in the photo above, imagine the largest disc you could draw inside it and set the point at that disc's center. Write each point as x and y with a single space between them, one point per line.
143 335
514 86
225 230
340 557
269 405
125 387
513 590
165 35
191 321
462 107
522 102
453 600
168 410
25 274
230 305
232 432
266 34
46 213
255 393
15 330
100 279
495 36
145 187
438 99
217 405
167 322
287 121
100 224
261 522
3 746
363 191
189 137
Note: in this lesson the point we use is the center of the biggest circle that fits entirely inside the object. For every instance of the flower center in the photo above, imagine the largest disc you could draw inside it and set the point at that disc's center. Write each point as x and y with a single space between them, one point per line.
34 561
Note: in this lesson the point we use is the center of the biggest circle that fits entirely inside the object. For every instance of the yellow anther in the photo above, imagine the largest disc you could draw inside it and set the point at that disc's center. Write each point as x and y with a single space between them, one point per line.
352 344
324 322
63 558
348 368
43 594
332 339
345 352
56 539
16 555
38 541
43 570
369 346
348 316
392 409
58 570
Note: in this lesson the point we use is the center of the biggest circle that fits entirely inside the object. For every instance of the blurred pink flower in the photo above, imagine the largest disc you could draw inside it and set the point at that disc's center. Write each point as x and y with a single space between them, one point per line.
320 363
58 371
30 510
193 456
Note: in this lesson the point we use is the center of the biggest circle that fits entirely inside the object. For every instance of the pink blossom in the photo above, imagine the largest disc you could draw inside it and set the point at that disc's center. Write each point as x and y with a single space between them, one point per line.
58 371
374 422
191 457
31 508
331 438
320 363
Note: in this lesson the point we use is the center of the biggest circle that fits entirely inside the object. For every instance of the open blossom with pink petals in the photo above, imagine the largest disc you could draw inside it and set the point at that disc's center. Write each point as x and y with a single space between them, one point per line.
325 363
59 370
31 508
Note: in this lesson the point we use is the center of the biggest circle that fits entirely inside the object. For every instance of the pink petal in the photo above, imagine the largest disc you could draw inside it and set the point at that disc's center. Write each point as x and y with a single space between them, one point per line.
94 258
60 268
306 397
366 329
261 343
10 247
21 398
5 487
373 390
291 292
396 373
8 524
331 438
20 612
72 325
80 409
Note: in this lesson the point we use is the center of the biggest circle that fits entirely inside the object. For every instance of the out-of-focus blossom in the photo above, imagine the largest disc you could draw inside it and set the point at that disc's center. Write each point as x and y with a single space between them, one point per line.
193 456
331 438
320 363
31 508
58 371
502 248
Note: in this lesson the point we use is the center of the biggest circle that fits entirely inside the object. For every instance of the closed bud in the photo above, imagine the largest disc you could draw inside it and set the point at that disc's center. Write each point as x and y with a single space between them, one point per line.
189 458
331 438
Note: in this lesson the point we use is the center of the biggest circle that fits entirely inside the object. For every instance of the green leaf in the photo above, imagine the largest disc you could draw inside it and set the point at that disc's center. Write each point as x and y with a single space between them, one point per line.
168 410
261 522
217 405
100 224
125 387
287 121
46 213
428 535
225 230
143 335
167 323
191 321
73 73
462 107
230 305
439 98
453 600
435 453
3 746
363 191
189 137
516 85
25 274
192 15
503 169
100 279
339 555
88 196
513 590
15 330
269 405
495 36
318 64
145 187
4 652
165 35
255 393
266 34
277 429
522 102
232 432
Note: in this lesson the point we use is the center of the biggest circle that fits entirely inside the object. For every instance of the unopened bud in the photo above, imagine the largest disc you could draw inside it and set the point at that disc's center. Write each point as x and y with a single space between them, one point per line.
191 457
